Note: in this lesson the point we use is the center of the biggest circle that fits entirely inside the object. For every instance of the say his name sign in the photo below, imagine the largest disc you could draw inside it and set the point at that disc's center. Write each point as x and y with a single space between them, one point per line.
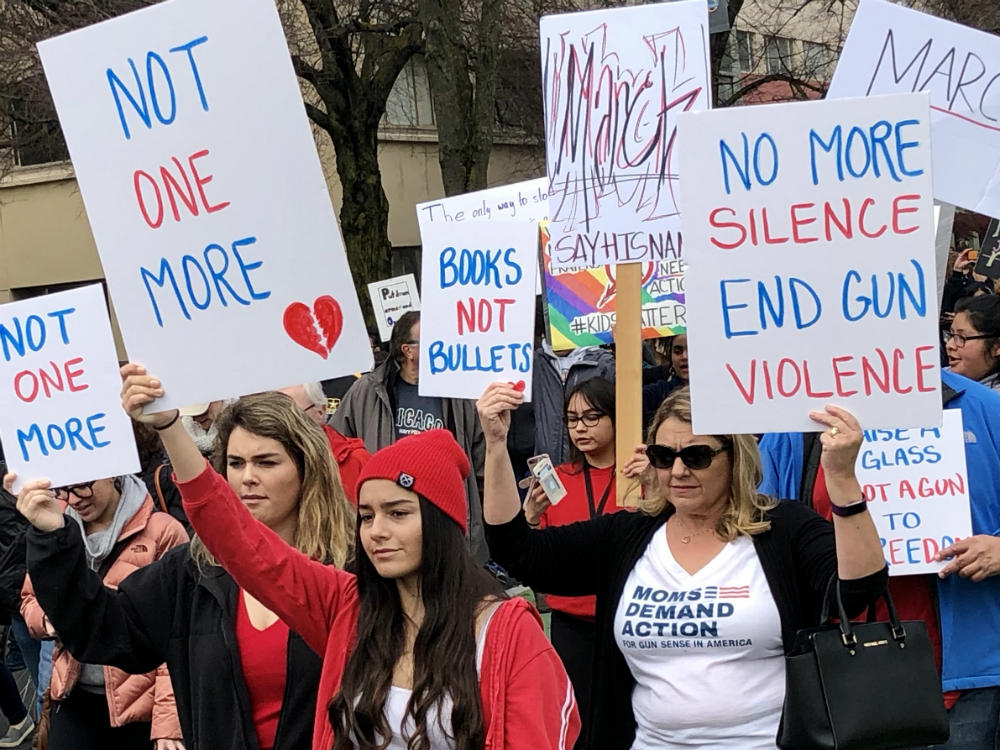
201 181
613 84
918 491
60 407
811 271
477 321
892 49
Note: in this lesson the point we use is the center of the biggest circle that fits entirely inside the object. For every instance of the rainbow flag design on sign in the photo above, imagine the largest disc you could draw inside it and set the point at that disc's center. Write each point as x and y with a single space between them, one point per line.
580 305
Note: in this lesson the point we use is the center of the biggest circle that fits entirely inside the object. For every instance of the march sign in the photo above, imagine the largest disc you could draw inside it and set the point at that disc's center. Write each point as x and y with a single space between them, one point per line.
60 407
613 84
477 321
392 298
211 215
892 49
810 279
917 489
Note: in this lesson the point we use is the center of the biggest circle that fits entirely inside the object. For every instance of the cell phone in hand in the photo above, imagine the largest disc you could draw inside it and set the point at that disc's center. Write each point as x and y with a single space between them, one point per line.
541 466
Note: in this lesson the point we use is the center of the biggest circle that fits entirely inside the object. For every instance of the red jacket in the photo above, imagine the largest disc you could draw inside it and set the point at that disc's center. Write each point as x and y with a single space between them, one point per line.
351 457
575 507
527 698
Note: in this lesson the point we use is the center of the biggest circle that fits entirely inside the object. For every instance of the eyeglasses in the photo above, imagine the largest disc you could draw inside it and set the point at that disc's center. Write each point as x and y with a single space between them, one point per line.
960 339
82 491
414 342
589 419
693 456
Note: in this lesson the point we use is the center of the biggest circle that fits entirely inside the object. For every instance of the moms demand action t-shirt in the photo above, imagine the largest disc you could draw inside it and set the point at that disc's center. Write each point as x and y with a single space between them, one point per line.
705 650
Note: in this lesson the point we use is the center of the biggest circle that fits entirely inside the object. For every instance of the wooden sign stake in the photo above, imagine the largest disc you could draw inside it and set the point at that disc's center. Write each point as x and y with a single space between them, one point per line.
628 376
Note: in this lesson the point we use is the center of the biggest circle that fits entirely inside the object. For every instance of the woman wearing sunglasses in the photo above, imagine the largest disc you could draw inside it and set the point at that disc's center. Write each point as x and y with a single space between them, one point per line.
700 595
589 479
95 706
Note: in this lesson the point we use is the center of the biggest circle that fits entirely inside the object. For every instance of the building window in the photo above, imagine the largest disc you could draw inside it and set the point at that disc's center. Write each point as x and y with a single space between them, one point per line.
409 103
815 61
744 50
776 55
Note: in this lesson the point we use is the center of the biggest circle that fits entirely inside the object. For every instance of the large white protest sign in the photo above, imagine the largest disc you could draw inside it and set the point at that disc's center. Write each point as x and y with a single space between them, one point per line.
519 201
810 272
477 321
390 299
892 49
204 191
60 406
613 83
918 491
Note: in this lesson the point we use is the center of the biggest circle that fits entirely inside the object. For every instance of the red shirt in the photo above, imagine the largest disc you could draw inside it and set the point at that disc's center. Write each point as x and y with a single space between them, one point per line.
578 506
912 595
351 457
263 655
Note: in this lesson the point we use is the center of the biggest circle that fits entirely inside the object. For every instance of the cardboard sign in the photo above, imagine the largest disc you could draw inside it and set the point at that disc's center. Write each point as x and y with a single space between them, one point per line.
811 272
201 181
390 299
581 305
988 262
918 492
60 406
478 317
613 83
892 49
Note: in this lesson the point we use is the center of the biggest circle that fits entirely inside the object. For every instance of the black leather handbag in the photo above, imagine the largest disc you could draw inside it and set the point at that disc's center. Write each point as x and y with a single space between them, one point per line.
866 686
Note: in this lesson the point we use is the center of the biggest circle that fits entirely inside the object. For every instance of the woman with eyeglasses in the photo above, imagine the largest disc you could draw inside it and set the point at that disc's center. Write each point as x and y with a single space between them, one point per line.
96 706
700 595
589 479
973 343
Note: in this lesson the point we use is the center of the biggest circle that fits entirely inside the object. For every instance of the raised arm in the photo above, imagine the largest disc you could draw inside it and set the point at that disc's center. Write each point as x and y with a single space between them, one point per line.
564 560
306 594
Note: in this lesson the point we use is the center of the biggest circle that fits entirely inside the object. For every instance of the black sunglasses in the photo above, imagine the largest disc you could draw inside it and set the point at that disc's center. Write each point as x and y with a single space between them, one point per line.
693 456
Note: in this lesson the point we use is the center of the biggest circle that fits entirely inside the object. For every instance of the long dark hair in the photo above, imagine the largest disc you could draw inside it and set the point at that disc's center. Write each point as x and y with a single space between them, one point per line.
599 393
452 587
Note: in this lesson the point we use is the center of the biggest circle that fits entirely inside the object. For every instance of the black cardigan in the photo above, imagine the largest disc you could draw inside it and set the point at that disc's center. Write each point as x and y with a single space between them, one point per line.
798 556
170 612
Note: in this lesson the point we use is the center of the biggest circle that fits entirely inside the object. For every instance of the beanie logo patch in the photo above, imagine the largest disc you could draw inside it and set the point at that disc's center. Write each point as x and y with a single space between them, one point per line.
404 480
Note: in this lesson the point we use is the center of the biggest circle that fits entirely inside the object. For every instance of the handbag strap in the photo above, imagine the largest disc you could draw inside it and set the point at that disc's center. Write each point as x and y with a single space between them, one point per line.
847 634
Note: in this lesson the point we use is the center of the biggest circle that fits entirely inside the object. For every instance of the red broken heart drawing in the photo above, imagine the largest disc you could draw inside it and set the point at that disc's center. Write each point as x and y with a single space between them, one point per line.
305 326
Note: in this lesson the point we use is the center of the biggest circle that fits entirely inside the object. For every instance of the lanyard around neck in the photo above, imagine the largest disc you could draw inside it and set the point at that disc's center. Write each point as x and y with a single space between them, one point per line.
599 510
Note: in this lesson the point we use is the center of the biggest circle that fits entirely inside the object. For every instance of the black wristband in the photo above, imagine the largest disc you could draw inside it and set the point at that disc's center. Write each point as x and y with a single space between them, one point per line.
170 423
849 510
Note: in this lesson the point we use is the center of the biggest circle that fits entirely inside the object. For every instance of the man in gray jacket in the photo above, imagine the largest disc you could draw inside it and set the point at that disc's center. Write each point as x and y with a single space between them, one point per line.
384 405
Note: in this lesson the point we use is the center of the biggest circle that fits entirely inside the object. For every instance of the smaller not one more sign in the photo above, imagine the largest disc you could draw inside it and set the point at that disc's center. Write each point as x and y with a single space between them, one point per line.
918 492
60 408
478 316
390 299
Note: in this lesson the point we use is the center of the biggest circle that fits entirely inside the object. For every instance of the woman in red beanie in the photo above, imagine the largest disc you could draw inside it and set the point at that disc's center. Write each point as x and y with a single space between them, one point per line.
421 649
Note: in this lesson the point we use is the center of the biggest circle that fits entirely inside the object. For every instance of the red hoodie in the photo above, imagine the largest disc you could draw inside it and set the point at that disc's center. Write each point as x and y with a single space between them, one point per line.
351 457
527 698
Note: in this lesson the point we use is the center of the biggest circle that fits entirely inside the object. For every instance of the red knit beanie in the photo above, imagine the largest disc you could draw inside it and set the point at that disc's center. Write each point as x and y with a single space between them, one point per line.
432 464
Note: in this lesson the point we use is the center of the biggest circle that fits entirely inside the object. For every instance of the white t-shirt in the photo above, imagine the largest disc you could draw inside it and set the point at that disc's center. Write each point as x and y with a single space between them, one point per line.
705 650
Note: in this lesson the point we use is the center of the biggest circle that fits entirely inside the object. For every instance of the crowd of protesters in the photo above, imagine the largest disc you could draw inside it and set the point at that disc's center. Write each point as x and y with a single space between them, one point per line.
347 579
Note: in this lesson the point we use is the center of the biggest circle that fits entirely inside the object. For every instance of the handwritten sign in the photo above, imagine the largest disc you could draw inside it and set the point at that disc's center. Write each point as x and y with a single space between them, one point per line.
988 262
478 317
613 83
390 299
812 278
918 491
60 409
206 198
581 304
892 49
